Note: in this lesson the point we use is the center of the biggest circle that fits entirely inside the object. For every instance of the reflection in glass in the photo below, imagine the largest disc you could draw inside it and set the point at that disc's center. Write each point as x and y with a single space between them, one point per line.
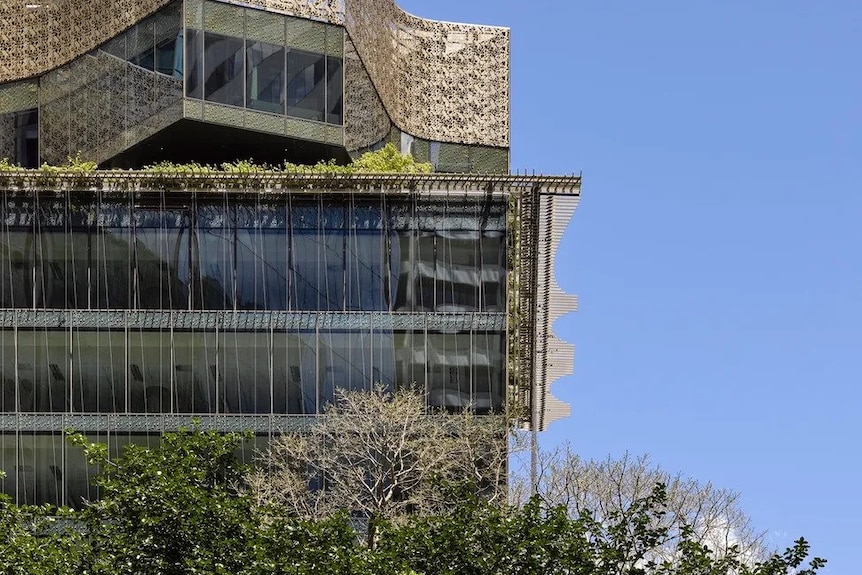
16 268
451 271
112 252
265 80
25 130
223 77
255 74
306 89
334 90
168 39
98 372
194 66
161 268
140 42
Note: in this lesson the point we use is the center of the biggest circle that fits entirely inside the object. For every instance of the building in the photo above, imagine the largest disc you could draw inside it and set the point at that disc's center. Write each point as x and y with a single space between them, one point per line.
131 301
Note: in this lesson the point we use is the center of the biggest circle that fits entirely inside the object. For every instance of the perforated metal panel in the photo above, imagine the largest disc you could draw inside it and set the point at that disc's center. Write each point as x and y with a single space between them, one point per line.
438 81
18 96
265 27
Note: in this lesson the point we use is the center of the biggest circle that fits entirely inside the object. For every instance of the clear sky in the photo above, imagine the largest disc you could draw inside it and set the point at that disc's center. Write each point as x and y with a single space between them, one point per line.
717 250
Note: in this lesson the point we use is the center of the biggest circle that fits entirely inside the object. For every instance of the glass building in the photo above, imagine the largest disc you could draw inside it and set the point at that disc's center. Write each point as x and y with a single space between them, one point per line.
132 302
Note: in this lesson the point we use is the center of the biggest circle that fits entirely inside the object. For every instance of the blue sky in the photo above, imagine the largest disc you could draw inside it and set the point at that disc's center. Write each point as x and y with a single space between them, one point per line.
716 251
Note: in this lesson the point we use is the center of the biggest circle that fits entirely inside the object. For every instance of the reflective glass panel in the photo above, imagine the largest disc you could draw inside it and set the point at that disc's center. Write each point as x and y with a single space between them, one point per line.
265 87
140 43
294 373
98 371
17 247
43 383
224 71
168 39
214 273
195 66
334 90
306 86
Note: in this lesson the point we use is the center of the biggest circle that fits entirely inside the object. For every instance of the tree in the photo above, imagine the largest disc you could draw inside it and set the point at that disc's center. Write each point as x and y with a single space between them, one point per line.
181 509
382 455
475 537
39 540
172 509
698 512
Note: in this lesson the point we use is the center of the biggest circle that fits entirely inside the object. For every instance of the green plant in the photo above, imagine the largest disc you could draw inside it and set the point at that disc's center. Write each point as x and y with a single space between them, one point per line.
389 159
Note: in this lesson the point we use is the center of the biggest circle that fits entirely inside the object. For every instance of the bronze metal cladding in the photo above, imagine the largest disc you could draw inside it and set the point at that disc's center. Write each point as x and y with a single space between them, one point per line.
437 80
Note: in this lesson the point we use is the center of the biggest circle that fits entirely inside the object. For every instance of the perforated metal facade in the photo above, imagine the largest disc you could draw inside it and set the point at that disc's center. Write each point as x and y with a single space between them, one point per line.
440 83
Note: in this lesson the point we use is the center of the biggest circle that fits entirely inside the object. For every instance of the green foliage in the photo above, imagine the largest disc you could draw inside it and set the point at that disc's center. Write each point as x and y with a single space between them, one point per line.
39 540
180 509
477 538
387 159
173 509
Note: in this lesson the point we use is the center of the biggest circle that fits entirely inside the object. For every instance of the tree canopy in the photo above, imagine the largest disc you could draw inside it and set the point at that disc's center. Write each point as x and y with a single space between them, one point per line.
189 506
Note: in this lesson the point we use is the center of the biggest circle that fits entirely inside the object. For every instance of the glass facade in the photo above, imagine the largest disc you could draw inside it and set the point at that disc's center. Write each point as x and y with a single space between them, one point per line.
238 305
247 58
290 253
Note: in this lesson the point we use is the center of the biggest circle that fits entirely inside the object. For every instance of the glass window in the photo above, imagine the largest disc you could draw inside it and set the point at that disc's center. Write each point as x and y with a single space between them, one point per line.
195 65
140 43
193 387
98 371
42 371
214 241
262 273
243 371
492 295
16 268
488 371
223 77
365 270
161 268
161 258
112 250
265 77
149 371
306 86
61 277
167 31
39 469
26 138
294 373
345 363
334 91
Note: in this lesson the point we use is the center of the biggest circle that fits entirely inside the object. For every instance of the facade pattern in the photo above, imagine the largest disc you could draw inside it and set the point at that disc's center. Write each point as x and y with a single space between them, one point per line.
133 301
130 302
438 81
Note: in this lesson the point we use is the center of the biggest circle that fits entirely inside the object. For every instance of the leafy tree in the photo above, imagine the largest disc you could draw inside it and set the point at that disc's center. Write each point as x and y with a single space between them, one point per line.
39 540
172 509
180 508
476 537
